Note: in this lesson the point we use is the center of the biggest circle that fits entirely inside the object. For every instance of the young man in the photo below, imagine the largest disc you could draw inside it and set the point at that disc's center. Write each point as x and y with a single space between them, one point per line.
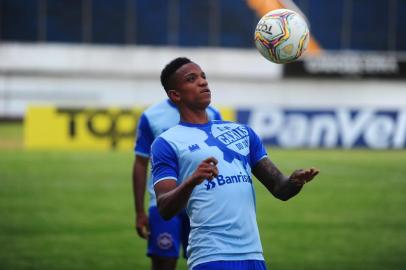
164 237
206 167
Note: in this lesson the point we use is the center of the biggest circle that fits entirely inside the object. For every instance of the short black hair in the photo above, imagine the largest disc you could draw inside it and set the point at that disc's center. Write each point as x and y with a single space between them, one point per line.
170 69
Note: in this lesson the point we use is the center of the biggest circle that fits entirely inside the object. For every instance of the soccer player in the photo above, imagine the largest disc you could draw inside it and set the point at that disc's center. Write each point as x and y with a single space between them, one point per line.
164 237
206 166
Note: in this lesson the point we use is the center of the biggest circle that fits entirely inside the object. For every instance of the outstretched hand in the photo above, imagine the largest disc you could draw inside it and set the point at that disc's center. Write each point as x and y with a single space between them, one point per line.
301 177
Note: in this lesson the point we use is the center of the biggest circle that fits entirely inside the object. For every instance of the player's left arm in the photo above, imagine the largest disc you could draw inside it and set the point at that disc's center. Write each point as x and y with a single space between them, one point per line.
281 186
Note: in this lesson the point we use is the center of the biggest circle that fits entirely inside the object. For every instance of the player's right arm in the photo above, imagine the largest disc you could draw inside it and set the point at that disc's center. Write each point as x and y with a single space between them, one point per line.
139 176
139 185
171 197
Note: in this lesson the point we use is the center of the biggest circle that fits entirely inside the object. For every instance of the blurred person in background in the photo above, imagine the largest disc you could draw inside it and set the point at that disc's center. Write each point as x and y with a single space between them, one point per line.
165 238
206 167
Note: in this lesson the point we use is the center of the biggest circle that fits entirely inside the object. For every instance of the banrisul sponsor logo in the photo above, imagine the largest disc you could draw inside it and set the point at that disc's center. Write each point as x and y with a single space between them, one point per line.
224 180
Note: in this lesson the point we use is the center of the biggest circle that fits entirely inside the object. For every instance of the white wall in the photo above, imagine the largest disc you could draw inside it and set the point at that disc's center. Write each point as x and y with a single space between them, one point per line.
129 76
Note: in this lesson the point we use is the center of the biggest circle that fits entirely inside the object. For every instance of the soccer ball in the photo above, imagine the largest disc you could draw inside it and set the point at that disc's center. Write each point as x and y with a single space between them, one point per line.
281 36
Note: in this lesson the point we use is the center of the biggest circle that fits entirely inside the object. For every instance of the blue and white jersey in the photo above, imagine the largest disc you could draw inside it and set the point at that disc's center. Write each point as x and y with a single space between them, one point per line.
155 120
222 211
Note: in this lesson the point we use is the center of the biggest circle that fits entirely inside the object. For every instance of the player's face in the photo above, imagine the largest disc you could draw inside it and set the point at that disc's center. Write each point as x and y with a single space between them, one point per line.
191 86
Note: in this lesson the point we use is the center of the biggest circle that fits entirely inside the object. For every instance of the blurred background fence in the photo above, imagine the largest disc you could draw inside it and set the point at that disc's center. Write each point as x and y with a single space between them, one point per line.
366 25
102 53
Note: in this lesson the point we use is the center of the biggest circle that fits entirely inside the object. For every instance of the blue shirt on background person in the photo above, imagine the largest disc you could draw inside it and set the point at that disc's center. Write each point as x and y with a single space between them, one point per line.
153 121
165 237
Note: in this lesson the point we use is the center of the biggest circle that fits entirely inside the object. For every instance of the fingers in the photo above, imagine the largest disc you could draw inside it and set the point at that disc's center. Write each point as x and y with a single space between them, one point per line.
145 232
210 160
142 226
208 169
214 173
310 174
315 171
142 232
301 176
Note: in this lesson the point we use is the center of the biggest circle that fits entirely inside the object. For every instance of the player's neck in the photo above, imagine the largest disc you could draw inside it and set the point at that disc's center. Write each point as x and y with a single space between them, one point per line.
194 117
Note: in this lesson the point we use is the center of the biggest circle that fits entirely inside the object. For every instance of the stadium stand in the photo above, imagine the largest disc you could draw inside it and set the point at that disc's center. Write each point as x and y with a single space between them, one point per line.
222 23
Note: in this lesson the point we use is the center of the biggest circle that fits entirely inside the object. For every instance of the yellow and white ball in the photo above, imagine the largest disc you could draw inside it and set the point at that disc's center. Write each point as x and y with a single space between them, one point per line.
281 36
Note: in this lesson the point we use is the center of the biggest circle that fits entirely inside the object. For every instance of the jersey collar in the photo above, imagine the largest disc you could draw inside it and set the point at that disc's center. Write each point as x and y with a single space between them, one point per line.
186 124
172 104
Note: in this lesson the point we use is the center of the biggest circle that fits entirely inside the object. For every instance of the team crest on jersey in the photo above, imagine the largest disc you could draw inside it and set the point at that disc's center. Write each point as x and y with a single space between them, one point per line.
232 139
165 241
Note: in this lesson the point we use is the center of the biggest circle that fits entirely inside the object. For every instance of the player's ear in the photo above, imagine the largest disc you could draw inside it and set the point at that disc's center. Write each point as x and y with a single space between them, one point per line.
174 96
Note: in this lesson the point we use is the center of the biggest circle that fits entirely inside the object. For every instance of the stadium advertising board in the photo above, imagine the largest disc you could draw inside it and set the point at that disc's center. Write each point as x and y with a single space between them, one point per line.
330 64
80 128
84 128
330 128
114 128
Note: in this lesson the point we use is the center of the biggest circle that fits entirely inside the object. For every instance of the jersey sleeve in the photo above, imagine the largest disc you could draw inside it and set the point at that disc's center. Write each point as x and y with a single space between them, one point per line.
144 137
164 161
257 149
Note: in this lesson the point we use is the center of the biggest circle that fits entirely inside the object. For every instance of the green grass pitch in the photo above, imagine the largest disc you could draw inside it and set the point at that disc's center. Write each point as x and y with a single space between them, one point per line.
74 210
